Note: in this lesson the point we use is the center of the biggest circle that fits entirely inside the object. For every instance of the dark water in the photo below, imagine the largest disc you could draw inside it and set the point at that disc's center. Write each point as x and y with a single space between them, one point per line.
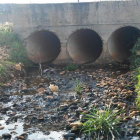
32 80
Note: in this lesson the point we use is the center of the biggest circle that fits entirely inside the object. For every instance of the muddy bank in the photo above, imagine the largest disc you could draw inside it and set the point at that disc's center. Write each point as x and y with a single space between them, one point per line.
30 110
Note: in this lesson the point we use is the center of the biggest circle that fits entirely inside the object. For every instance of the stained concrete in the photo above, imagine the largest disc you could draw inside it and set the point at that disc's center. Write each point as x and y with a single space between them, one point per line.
63 19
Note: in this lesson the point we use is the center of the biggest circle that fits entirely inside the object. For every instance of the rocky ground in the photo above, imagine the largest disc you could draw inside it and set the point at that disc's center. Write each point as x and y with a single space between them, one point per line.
32 109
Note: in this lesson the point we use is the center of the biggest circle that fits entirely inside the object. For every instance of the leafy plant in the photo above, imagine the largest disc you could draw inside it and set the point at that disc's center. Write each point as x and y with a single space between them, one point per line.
2 69
135 55
101 123
137 101
78 86
5 66
71 67
137 87
136 74
7 36
17 52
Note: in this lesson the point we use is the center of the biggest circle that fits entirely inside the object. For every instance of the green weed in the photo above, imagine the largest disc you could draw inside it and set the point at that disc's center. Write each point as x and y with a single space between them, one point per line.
17 52
135 55
137 87
1 84
71 67
137 101
78 86
5 67
103 123
3 70
21 56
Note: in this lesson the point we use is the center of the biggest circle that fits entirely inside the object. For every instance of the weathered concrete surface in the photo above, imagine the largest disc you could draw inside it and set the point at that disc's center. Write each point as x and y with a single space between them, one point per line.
64 19
5 13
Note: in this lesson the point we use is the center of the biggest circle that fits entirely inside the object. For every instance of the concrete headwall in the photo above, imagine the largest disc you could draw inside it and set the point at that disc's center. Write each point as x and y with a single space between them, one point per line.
104 18
5 13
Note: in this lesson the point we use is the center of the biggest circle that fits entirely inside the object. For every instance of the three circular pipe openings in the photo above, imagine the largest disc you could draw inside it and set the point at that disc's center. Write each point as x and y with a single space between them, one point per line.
84 45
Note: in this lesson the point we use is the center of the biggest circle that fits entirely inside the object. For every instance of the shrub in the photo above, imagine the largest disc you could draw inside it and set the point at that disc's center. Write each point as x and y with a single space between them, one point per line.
137 101
7 36
17 52
103 123
78 86
135 55
137 87
71 67
5 67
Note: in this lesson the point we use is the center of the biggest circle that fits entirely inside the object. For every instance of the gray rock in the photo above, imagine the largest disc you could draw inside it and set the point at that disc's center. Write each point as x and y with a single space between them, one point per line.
69 135
6 136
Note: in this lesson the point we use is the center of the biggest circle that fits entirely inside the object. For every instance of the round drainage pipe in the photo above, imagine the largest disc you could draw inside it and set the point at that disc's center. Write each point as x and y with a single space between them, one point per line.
43 46
121 42
84 46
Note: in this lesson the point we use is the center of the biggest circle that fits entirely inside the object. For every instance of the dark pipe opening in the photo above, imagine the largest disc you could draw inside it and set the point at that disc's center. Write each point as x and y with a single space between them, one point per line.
84 46
121 42
43 46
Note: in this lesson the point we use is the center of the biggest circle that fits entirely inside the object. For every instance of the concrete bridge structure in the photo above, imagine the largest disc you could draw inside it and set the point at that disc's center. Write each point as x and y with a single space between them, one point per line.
97 32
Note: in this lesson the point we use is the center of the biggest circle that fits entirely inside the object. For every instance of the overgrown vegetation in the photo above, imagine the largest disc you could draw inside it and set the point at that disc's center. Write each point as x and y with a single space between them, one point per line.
12 52
135 64
135 55
102 123
17 52
78 86
137 87
5 66
71 67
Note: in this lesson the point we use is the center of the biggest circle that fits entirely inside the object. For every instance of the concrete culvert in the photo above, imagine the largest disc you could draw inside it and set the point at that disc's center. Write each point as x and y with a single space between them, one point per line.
43 46
121 42
84 46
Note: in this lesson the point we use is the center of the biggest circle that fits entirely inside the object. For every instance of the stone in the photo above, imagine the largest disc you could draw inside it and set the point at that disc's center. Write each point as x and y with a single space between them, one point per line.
112 94
18 67
50 97
133 113
101 111
62 72
47 133
40 85
40 117
73 107
1 127
63 107
54 88
14 93
6 136
20 137
12 75
138 124
40 93
122 105
74 127
77 124
46 92
138 132
42 80
85 112
40 89
24 88
69 135
13 132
